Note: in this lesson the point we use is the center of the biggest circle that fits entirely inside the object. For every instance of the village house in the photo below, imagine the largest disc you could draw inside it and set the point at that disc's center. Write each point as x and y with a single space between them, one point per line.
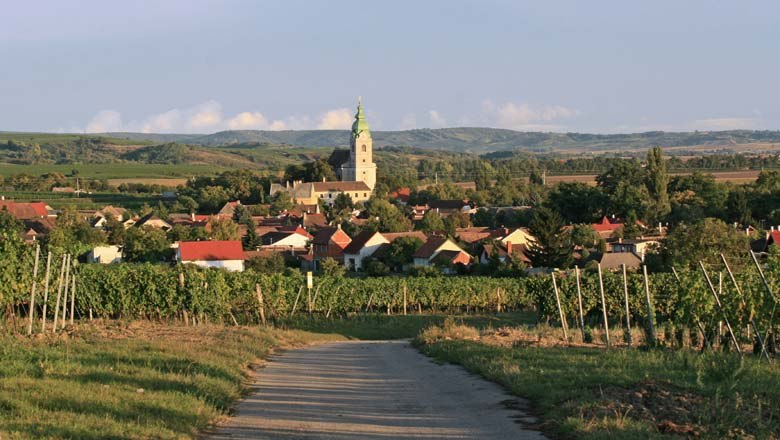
27 210
153 221
639 246
212 254
362 246
440 251
503 250
105 254
329 243
286 237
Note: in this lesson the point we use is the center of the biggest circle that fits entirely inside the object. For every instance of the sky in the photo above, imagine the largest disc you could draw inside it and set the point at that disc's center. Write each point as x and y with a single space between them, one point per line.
196 66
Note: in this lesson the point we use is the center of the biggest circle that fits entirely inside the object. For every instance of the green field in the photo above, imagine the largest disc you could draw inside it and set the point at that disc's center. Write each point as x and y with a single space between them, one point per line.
86 201
113 170
592 393
64 138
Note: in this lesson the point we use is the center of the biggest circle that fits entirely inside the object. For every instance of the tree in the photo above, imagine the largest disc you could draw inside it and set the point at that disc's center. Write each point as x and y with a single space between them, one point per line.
400 252
552 247
456 220
73 234
386 217
320 170
224 229
577 202
280 201
330 267
431 222
270 264
146 244
115 230
704 240
584 236
9 223
657 182
485 218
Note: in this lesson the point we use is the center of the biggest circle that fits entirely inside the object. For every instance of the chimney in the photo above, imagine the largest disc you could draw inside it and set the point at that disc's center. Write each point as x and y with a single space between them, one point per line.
660 229
620 240
509 247
323 179
192 216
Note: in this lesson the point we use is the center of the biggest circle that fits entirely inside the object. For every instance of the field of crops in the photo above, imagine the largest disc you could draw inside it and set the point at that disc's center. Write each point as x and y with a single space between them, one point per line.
684 309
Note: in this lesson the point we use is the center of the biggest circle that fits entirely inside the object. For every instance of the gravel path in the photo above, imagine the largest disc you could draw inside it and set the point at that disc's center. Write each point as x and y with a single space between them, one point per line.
372 390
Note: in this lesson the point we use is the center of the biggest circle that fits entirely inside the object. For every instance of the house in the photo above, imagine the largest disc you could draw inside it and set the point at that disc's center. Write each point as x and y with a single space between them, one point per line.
314 220
401 195
639 246
105 254
428 252
217 254
27 210
153 221
310 193
502 250
330 243
446 208
362 246
613 261
287 237
393 236
37 228
474 235
229 209
111 212
606 227
518 237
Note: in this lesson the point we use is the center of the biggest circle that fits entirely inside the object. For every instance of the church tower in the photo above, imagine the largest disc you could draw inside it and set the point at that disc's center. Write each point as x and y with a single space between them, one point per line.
361 166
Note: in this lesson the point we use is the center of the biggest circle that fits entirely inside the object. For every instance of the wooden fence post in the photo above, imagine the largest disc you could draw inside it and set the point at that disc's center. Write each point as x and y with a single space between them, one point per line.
32 289
260 302
46 292
628 312
59 294
579 302
63 318
720 306
651 338
405 304
604 307
560 310
752 323
498 298
72 297
295 305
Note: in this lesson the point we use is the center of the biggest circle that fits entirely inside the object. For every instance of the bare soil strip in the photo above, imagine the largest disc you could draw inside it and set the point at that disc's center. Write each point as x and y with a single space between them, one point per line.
372 390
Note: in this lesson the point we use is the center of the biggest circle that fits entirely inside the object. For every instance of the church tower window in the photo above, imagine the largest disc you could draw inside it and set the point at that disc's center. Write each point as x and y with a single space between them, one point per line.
363 148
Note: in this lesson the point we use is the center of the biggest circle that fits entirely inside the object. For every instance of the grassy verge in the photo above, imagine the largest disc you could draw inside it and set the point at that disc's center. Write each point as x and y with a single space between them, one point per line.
591 393
136 380
379 326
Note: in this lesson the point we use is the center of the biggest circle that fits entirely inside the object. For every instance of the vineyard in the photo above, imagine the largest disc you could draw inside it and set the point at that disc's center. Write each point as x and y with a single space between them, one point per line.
683 306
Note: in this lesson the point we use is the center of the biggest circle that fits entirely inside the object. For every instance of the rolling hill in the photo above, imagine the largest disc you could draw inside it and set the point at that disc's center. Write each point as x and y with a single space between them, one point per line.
480 140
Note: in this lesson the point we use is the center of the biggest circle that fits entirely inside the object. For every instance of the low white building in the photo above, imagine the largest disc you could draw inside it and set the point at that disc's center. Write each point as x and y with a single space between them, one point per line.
361 247
105 255
217 254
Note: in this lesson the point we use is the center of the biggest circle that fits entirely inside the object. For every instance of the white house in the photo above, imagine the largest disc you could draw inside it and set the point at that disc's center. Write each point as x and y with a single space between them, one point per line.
451 253
361 247
293 237
219 254
105 255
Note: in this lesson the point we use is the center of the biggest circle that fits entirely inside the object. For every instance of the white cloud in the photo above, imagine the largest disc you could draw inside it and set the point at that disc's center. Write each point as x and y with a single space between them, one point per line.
525 116
105 121
247 121
437 120
209 117
337 119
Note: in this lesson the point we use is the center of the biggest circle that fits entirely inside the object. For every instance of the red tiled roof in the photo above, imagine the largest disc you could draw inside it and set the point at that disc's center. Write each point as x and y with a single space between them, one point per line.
211 250
392 236
24 210
358 242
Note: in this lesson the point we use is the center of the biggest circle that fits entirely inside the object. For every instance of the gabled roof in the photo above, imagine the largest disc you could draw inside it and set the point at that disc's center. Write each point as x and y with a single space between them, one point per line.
315 219
211 250
451 257
24 210
614 260
340 186
359 242
429 247
325 235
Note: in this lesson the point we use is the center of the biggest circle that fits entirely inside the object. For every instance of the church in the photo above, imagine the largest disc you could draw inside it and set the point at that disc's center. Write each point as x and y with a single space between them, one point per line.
357 173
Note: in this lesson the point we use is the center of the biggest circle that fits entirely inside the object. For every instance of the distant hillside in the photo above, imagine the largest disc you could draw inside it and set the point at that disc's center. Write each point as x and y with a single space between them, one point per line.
477 140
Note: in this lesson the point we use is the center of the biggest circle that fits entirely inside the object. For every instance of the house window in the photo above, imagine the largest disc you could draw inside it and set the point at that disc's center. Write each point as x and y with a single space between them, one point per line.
364 161
330 196
356 194
365 194
363 148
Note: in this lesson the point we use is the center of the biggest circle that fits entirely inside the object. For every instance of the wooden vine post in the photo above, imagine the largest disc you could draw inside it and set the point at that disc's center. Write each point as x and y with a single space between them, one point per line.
752 324
59 295
628 312
32 289
72 297
260 302
560 310
720 306
579 302
63 318
405 304
651 338
604 307
45 292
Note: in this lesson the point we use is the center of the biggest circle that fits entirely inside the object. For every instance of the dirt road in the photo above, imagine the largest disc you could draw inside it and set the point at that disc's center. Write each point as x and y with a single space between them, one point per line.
371 390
